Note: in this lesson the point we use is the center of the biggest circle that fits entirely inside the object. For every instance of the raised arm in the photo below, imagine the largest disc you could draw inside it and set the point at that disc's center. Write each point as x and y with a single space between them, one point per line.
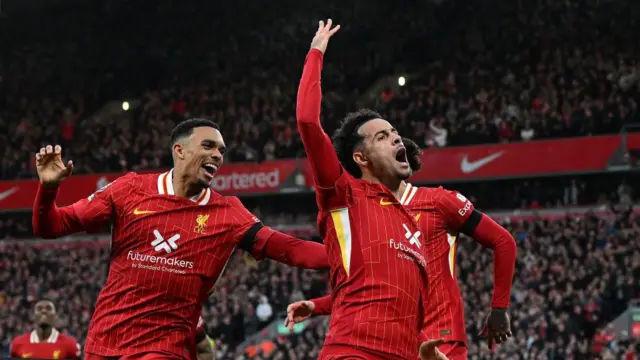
322 157
50 221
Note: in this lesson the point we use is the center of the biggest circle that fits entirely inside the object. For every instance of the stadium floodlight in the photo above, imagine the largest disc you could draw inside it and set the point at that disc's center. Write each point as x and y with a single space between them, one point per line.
125 105
402 81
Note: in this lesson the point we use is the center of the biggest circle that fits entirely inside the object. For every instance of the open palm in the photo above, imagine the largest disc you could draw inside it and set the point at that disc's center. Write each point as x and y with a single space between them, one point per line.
51 169
324 33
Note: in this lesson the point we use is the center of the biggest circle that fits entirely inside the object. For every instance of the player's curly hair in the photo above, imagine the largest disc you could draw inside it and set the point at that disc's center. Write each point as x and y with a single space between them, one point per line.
185 128
413 154
346 138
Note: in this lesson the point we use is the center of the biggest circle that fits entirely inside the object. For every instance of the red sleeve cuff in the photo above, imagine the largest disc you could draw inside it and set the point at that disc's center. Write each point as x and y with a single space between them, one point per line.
322 306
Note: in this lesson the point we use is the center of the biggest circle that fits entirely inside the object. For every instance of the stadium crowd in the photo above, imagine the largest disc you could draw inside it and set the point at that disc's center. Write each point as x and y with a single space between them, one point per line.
574 275
482 72
478 72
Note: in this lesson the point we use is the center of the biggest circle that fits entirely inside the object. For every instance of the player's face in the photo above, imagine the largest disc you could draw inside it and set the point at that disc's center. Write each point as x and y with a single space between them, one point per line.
44 313
203 154
383 151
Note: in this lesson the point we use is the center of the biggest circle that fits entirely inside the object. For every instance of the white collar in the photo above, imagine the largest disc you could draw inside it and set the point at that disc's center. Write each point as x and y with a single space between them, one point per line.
408 194
165 187
53 337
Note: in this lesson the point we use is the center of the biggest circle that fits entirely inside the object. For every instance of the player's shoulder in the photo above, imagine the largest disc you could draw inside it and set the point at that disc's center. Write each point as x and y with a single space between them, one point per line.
70 343
418 194
229 203
225 200
428 195
21 339
123 181
66 338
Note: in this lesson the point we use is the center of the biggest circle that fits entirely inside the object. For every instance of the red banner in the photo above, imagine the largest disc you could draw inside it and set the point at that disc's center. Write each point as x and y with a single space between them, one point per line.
245 178
525 159
470 163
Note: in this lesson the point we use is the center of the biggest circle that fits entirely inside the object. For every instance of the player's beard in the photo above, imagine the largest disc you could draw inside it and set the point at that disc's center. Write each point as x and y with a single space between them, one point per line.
45 326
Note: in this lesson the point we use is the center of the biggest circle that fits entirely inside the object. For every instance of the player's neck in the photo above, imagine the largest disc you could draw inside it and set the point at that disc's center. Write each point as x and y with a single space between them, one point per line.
396 186
44 333
181 187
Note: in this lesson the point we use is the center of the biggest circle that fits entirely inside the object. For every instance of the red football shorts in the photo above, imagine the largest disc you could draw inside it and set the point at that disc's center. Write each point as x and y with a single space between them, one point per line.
454 350
143 356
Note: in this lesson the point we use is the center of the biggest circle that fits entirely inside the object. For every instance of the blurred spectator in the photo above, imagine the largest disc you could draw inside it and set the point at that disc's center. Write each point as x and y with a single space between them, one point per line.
480 71
555 69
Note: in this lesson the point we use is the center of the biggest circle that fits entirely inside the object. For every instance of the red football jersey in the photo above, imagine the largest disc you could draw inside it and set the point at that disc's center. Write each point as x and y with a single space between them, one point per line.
57 346
373 245
377 268
166 254
440 213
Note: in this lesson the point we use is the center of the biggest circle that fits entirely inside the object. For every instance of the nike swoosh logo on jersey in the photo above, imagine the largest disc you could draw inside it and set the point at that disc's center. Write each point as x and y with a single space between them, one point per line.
417 217
470 166
385 203
142 212
5 194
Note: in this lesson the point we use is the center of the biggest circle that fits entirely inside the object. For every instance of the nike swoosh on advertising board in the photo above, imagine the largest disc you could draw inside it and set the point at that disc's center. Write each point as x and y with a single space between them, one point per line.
470 166
5 194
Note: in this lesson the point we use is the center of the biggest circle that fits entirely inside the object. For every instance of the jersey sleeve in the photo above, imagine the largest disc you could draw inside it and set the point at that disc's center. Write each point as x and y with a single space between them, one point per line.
14 348
50 221
454 208
246 226
74 350
322 306
323 160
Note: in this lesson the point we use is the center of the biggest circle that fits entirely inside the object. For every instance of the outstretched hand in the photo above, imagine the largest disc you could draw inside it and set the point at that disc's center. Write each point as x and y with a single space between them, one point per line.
51 169
324 33
297 312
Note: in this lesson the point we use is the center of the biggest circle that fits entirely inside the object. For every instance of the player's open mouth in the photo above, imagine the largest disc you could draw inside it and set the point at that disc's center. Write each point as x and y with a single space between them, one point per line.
210 169
401 155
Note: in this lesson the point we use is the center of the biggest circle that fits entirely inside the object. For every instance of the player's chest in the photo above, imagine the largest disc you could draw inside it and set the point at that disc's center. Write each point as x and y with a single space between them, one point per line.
385 231
161 234
379 216
435 233
42 351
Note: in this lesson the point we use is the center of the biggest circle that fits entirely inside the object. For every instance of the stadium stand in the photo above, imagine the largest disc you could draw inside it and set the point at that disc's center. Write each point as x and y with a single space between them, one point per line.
467 84
476 71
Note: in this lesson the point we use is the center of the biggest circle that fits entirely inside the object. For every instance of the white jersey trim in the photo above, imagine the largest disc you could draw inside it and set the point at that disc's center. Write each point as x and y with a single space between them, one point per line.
165 187
408 194
52 339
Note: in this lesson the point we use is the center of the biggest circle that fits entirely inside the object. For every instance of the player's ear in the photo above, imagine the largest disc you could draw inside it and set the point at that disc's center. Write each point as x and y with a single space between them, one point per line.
178 150
360 158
